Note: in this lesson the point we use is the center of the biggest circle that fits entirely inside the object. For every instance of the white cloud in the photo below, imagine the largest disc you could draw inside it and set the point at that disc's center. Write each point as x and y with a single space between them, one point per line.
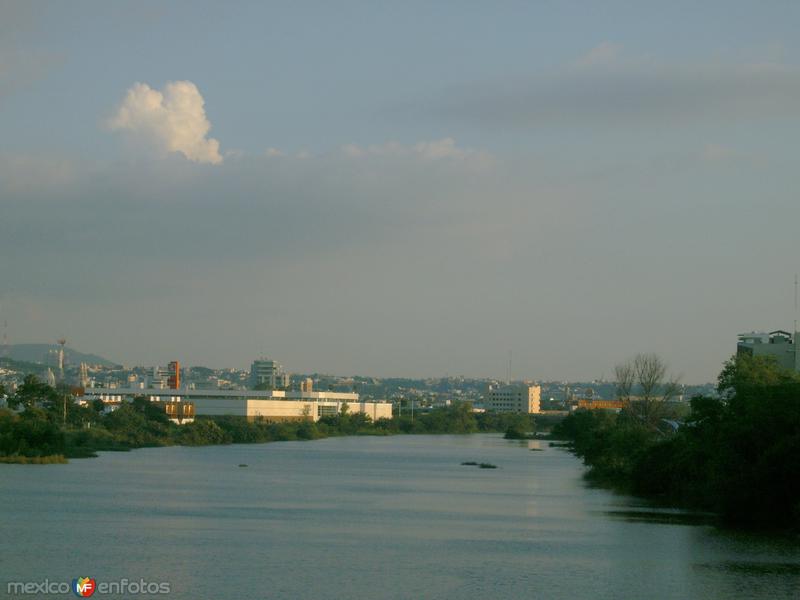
445 148
173 119
603 54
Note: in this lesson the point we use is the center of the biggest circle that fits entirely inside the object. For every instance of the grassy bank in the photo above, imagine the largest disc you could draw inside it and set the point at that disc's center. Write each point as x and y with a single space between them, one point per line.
53 459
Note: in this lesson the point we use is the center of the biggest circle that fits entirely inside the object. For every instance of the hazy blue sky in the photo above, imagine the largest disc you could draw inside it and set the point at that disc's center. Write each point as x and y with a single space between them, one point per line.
412 188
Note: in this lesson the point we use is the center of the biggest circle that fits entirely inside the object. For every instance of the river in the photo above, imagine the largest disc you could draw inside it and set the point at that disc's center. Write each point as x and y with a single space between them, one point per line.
369 517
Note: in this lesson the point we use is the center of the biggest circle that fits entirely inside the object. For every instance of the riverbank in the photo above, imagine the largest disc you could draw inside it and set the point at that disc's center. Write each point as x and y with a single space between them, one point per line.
738 459
34 436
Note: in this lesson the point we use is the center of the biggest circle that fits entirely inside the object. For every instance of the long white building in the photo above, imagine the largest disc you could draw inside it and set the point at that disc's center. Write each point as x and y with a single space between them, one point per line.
253 404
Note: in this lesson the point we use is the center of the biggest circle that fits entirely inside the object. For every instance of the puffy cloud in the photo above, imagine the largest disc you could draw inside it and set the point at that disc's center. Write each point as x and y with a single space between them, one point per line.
173 119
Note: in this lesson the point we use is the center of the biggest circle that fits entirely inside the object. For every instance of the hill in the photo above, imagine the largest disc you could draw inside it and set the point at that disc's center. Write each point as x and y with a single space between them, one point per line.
37 353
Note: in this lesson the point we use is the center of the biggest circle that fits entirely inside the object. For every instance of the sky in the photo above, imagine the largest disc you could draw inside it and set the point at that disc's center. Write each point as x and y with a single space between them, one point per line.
400 189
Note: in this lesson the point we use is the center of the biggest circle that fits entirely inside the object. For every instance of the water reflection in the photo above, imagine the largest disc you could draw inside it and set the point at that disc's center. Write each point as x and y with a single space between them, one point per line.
664 516
396 517
752 568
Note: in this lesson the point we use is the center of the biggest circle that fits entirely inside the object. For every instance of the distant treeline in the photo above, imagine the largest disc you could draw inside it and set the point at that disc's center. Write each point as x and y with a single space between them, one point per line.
737 455
48 425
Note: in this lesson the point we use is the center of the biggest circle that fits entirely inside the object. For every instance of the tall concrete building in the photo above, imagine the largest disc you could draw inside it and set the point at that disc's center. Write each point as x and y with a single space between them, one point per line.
158 378
83 375
55 359
518 398
268 373
780 344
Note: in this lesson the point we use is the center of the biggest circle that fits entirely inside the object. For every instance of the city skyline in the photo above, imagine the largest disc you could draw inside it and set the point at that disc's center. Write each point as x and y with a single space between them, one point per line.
414 191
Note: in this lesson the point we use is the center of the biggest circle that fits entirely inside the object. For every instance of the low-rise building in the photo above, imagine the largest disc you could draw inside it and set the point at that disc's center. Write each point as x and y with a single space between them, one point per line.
600 404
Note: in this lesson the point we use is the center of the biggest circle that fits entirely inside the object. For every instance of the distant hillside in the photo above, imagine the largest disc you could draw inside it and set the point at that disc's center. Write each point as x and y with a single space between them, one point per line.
37 353
22 366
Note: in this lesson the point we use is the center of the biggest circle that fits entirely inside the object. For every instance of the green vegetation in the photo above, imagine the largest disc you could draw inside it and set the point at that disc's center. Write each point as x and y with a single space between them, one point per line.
16 459
522 429
459 418
737 455
50 425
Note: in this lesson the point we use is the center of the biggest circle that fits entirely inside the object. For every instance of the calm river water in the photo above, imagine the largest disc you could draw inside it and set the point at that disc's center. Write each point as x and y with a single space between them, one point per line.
393 517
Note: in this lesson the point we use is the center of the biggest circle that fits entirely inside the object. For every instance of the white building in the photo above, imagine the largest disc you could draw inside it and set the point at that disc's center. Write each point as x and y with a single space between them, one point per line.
518 398
253 404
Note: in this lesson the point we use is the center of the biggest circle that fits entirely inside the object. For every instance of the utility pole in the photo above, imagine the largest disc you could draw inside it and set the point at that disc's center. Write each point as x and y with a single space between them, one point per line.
795 307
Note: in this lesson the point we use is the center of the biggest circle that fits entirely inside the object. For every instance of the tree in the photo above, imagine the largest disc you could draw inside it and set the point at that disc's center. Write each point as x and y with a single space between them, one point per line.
625 375
31 392
153 411
29 435
742 371
646 374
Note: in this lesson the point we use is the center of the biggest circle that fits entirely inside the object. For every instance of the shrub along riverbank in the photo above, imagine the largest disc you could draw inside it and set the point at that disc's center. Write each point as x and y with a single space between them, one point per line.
51 426
737 455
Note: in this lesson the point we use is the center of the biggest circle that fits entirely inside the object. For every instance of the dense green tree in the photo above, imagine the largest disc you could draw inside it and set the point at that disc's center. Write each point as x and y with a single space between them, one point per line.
203 432
31 393
29 434
742 371
152 411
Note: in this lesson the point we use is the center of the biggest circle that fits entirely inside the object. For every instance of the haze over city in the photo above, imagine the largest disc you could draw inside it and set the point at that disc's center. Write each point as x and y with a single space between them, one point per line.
408 190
